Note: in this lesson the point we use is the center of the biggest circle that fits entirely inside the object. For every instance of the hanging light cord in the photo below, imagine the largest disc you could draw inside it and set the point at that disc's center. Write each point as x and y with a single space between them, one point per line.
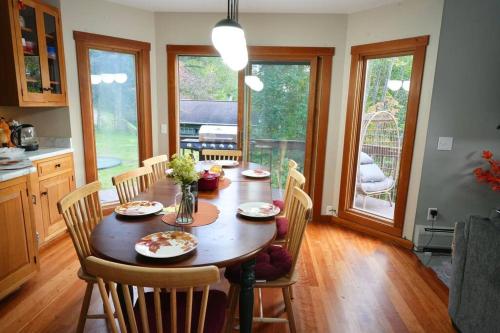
232 10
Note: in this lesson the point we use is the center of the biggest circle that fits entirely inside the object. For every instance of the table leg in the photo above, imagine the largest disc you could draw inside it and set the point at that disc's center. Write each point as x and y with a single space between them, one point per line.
246 296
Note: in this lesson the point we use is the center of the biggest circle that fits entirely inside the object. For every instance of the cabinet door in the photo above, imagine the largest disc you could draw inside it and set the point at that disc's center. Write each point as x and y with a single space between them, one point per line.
54 74
28 25
17 252
51 191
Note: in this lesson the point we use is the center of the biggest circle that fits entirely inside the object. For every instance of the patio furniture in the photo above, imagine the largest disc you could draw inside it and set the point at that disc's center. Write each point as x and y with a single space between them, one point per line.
158 164
475 282
80 225
214 154
275 260
131 183
160 311
379 153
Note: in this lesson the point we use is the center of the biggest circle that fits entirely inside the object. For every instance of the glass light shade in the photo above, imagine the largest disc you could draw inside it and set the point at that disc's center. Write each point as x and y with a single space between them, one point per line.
254 82
95 79
229 40
406 85
107 78
394 85
121 77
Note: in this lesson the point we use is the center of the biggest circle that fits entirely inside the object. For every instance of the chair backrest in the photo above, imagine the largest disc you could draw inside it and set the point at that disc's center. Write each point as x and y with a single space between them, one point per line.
109 274
294 179
300 212
212 154
292 165
158 164
131 183
81 210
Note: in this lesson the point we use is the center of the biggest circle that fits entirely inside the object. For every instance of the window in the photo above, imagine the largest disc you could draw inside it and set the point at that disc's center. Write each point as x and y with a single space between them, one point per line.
384 91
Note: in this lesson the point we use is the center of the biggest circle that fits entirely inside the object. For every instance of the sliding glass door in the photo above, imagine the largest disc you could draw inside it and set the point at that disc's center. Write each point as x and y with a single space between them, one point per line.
278 115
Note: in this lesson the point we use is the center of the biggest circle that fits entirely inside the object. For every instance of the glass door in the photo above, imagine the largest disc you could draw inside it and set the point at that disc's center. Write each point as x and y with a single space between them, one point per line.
52 38
278 117
114 102
29 22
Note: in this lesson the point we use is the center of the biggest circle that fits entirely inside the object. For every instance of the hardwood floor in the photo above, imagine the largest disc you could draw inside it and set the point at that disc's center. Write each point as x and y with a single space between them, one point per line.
348 283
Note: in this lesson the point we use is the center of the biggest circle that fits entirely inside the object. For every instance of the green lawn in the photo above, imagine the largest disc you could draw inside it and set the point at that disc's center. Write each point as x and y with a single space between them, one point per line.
118 144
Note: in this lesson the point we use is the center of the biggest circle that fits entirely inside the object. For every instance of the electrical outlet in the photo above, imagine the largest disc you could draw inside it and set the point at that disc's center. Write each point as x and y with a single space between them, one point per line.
163 129
432 214
331 211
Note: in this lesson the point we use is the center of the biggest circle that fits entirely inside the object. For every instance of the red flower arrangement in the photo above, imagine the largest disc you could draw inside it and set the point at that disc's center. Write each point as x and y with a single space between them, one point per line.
492 175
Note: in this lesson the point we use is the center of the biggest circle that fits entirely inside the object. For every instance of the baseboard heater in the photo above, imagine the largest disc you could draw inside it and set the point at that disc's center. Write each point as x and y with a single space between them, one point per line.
433 239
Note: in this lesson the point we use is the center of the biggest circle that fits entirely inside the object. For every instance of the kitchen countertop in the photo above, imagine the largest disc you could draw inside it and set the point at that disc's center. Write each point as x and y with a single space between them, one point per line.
33 156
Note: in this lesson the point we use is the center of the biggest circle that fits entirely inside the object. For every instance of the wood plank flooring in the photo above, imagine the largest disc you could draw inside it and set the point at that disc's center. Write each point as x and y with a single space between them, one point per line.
348 283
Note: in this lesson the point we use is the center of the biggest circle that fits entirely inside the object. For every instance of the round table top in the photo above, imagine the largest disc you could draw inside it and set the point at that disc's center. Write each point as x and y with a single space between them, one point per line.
228 240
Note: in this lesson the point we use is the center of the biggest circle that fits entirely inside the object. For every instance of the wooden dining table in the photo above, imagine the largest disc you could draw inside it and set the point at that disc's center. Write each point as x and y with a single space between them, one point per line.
230 240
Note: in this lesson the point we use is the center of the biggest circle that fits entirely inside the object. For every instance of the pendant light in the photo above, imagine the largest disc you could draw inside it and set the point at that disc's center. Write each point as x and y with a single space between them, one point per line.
229 40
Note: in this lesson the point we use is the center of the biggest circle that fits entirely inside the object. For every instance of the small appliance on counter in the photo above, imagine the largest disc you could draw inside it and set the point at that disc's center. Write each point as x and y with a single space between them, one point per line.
24 136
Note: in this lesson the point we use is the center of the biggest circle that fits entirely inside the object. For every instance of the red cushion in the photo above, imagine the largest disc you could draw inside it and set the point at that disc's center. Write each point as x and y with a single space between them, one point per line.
282 226
280 204
214 318
272 263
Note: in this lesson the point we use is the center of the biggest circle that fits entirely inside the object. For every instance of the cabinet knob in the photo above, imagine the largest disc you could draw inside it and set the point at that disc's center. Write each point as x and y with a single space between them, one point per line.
58 165
44 193
47 89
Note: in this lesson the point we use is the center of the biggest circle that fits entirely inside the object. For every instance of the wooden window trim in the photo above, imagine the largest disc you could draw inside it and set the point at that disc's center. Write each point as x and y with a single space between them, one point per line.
85 41
359 55
321 59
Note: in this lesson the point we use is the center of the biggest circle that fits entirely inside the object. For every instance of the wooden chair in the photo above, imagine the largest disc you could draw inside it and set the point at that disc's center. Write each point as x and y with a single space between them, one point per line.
81 210
231 155
131 183
159 311
294 179
299 213
158 164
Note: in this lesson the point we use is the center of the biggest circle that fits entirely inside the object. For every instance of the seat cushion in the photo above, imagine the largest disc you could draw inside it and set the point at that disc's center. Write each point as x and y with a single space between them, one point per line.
370 173
214 318
281 226
271 264
378 186
280 204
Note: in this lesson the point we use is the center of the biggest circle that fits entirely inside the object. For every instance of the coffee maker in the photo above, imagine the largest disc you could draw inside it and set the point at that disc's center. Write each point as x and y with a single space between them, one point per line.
24 136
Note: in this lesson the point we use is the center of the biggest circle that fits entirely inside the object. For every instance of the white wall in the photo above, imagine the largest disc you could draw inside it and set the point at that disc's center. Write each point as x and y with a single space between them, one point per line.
103 18
402 20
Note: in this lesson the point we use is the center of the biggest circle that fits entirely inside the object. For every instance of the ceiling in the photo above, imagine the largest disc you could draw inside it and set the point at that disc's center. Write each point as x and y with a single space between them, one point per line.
257 6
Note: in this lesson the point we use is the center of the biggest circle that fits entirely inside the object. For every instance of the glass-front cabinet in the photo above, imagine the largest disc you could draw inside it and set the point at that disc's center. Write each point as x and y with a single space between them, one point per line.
37 54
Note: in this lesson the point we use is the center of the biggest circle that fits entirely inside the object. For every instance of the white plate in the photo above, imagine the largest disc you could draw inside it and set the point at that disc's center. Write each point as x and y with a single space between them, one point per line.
139 208
225 163
166 244
8 165
258 209
256 173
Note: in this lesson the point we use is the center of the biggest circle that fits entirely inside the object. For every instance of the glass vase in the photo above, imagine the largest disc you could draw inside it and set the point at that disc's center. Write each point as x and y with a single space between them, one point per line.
185 202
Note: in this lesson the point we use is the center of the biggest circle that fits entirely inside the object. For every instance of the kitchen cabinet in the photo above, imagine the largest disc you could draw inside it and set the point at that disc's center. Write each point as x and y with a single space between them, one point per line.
52 181
32 64
18 250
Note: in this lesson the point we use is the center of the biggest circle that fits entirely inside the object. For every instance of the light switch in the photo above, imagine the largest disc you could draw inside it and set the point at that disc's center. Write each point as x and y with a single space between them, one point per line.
163 128
445 143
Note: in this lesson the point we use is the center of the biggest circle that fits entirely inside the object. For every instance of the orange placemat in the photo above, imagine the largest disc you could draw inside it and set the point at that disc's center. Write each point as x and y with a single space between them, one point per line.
206 214
224 183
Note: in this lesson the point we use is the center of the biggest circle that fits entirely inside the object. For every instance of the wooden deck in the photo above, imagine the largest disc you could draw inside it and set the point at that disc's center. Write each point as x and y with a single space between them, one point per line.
348 283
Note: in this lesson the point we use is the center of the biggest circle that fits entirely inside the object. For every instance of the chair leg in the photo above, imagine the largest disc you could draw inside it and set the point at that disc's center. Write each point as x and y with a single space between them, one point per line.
364 201
289 309
290 289
85 307
234 292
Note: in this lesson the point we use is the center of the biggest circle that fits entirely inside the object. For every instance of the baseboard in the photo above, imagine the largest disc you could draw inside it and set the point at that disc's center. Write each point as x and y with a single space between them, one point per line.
407 244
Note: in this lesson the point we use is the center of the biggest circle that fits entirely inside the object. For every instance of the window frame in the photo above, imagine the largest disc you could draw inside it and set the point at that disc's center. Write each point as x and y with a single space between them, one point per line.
141 50
416 47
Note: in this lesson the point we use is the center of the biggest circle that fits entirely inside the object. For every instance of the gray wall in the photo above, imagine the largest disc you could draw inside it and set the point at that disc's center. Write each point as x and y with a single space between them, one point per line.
466 106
